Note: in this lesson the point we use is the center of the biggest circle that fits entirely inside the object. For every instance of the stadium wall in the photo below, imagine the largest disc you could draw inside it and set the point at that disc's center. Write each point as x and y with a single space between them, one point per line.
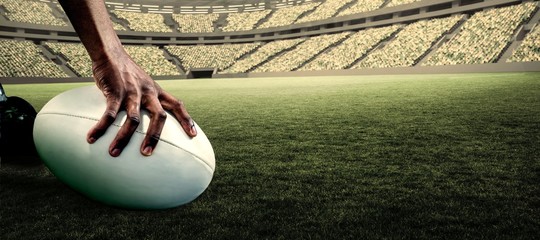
448 69
27 80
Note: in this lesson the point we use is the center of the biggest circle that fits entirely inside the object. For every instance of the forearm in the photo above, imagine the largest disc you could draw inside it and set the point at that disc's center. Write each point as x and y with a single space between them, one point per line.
92 23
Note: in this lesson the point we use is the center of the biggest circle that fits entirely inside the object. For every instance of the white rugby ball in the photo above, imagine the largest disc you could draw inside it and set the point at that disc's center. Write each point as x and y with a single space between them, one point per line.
178 171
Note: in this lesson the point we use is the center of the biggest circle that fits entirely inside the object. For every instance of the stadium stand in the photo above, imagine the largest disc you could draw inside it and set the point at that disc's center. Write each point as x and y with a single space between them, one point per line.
409 44
350 50
483 37
28 11
244 21
196 23
288 15
210 56
393 3
25 59
118 26
262 54
326 10
143 22
75 56
150 58
274 38
529 50
360 6
302 53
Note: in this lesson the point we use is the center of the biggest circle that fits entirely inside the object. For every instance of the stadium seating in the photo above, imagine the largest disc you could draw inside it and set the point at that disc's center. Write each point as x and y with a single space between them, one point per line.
28 11
196 23
210 56
118 26
244 21
288 15
483 37
76 57
360 6
25 59
469 38
297 56
150 58
324 11
143 22
393 3
409 44
353 48
262 54
529 50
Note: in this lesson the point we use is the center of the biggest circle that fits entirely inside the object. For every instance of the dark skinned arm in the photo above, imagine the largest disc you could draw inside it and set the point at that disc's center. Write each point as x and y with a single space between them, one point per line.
125 85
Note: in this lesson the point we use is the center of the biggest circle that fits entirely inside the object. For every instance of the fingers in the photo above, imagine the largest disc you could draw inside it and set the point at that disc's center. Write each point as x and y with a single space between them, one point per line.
157 121
128 128
108 117
155 101
178 109
157 115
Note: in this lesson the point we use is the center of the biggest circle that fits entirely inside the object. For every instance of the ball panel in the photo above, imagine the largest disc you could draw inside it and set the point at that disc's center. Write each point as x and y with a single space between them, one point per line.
170 177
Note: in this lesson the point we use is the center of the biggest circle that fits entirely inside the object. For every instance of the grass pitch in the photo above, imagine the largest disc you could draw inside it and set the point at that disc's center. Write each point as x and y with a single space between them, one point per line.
361 157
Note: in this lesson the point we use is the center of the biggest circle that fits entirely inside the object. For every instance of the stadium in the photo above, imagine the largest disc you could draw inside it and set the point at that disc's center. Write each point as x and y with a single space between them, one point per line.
330 119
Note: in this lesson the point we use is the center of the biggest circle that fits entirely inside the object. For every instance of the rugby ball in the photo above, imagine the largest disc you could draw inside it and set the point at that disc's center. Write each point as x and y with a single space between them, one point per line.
178 171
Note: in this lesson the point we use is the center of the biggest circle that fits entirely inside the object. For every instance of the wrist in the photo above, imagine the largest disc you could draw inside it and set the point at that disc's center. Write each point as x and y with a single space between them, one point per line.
107 52
109 56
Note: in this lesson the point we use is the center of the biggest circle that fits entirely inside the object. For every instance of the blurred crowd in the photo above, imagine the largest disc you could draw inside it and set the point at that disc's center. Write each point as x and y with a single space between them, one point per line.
458 39
483 36
25 59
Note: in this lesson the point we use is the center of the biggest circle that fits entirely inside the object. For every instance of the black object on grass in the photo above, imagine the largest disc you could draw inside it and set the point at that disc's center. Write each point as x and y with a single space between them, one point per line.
16 125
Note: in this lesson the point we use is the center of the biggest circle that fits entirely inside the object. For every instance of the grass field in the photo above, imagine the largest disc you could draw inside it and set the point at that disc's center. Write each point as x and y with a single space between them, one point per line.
360 157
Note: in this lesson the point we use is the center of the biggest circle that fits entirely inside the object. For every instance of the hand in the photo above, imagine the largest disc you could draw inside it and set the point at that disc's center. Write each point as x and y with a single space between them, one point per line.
127 87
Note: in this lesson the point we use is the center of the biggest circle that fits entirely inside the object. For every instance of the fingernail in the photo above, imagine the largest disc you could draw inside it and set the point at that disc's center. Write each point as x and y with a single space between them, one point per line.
91 140
115 152
147 151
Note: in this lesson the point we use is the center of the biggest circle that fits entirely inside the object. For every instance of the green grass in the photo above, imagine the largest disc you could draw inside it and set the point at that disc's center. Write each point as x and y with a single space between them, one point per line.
361 157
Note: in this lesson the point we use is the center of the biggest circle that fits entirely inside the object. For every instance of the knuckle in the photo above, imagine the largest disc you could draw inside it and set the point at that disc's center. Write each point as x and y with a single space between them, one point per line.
161 115
148 88
178 104
135 119
110 115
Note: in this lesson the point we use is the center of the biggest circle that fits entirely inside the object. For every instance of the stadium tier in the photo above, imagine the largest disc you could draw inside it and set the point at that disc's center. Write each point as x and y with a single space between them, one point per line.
350 50
302 53
143 22
409 44
277 36
24 59
483 37
360 6
326 10
262 54
286 16
528 51
244 21
210 56
195 23
32 12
